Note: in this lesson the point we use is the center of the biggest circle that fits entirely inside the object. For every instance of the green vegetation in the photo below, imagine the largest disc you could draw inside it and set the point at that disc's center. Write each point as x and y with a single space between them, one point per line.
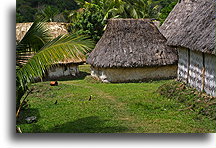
91 18
29 10
88 17
200 103
46 52
166 8
58 10
113 108
88 21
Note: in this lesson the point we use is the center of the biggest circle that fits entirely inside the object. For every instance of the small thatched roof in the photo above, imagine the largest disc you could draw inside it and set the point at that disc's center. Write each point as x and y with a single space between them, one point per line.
55 28
191 24
132 43
23 59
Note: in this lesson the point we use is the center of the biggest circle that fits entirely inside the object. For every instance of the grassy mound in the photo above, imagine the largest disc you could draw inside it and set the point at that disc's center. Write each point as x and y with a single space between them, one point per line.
198 102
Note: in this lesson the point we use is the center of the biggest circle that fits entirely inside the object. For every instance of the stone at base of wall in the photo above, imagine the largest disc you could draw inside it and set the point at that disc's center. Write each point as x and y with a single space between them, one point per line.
116 75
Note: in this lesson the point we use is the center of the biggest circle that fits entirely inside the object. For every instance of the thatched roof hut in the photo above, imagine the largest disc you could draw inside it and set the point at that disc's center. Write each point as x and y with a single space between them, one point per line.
131 44
68 67
191 27
55 29
63 69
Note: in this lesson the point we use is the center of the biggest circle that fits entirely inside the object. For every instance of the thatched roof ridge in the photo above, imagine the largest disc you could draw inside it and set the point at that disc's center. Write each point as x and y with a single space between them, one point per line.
191 24
132 43
74 61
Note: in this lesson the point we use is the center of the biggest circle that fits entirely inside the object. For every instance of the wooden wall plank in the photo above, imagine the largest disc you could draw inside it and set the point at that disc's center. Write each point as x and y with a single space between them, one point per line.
183 64
195 70
210 70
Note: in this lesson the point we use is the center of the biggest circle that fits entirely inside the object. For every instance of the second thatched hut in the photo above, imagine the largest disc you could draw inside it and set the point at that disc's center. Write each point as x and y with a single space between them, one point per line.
132 50
191 28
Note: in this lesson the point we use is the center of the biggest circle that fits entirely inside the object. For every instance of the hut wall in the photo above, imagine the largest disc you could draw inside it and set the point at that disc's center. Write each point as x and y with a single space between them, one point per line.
209 86
183 64
62 70
195 69
133 74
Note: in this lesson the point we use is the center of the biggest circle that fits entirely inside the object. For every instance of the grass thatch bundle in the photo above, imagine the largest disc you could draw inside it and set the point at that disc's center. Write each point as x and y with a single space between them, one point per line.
191 24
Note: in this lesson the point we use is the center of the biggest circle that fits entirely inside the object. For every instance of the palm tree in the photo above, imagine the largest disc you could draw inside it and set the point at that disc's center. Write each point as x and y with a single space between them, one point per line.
45 53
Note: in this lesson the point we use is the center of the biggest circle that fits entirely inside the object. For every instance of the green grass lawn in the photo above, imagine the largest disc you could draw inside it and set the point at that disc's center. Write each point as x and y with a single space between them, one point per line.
114 108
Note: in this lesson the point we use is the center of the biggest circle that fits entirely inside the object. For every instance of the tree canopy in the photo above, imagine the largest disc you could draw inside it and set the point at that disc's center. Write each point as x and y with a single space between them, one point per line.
58 10
27 10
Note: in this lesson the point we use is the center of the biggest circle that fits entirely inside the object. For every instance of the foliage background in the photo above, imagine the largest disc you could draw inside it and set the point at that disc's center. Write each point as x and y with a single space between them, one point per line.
27 10
88 17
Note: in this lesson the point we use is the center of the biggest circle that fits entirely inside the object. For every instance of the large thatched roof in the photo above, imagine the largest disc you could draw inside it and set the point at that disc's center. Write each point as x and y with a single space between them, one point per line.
191 24
132 43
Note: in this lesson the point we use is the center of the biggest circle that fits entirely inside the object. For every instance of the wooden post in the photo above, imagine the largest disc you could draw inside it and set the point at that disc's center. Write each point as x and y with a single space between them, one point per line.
188 65
203 72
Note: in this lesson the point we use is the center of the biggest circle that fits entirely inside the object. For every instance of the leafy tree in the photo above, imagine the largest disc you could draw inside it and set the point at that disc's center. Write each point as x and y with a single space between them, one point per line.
27 9
26 13
91 18
48 12
159 9
88 21
124 8
166 8
19 17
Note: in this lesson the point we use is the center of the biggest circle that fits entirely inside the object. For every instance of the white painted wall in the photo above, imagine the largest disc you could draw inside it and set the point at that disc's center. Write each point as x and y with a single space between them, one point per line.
210 71
133 74
195 70
183 64
63 70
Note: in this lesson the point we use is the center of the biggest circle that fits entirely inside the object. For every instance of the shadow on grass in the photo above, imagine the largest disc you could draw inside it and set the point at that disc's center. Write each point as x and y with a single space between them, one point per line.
27 113
92 124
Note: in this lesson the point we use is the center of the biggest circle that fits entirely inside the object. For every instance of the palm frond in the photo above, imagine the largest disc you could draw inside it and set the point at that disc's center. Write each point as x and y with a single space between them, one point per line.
134 13
34 40
59 49
35 37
